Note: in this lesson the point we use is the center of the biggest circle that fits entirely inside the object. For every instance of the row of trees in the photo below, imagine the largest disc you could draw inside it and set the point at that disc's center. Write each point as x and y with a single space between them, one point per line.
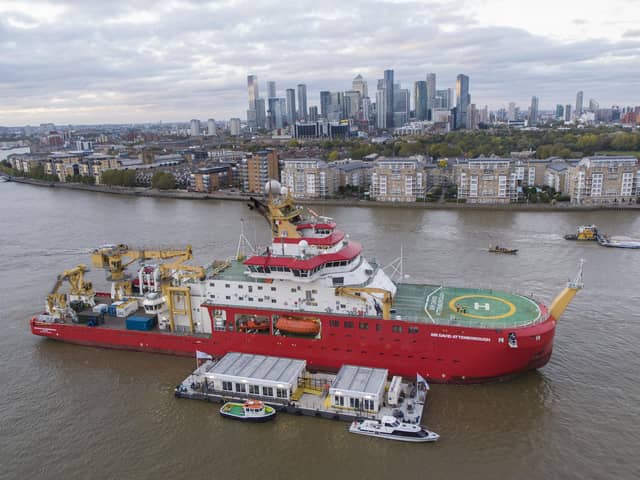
566 144
123 178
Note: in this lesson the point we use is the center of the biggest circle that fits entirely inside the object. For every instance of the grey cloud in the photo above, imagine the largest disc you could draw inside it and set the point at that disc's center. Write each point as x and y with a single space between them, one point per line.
192 60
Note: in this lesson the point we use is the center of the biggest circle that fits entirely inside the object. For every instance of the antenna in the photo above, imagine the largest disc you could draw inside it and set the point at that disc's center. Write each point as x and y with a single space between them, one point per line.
577 282
243 241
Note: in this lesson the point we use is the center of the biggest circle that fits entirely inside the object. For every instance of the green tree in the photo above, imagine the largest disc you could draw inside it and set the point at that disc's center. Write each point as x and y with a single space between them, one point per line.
163 181
333 156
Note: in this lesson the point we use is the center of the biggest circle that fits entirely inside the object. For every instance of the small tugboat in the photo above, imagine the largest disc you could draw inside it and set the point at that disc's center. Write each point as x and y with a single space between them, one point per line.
585 232
249 411
391 428
499 249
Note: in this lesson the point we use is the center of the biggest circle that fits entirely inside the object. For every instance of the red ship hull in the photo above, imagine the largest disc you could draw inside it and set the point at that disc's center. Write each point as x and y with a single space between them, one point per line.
441 353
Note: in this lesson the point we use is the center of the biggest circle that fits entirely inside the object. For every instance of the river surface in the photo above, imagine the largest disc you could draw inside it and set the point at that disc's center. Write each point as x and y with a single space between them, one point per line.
73 412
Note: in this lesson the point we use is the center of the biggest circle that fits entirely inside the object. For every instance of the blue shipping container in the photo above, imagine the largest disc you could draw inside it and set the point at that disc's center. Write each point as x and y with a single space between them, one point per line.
140 323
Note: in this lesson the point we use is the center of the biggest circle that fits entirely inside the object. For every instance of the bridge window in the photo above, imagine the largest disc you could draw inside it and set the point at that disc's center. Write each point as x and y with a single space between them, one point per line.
334 323
348 324
413 329
396 329
363 325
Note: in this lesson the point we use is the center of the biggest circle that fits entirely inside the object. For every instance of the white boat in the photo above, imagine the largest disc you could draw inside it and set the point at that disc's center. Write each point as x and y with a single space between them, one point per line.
393 429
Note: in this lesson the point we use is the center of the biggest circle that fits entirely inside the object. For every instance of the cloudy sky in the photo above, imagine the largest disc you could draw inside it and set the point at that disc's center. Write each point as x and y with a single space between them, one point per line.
95 61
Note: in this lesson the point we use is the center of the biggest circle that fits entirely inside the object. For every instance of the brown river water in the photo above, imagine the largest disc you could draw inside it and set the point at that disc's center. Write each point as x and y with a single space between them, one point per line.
73 412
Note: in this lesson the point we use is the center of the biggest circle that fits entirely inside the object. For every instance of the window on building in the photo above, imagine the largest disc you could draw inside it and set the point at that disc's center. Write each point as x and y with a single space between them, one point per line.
241 387
254 389
267 391
227 386
338 400
281 392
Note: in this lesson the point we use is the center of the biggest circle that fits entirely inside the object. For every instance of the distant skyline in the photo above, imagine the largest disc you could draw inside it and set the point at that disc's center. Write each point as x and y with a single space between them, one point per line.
89 61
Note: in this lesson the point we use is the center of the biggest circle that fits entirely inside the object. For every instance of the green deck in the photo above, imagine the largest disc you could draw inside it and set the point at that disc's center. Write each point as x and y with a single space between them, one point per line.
472 307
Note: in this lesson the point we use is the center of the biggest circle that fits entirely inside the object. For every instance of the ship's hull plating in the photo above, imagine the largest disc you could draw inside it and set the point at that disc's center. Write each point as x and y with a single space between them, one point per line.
446 354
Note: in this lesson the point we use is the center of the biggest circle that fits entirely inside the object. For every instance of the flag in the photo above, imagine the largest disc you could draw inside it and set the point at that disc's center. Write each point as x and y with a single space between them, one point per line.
421 381
203 356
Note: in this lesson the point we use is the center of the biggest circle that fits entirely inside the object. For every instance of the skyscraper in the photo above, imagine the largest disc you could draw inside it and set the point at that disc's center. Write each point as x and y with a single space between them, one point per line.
444 99
512 111
291 106
463 100
567 113
352 104
533 111
401 106
325 101
271 89
559 112
381 112
420 100
261 113
360 85
313 114
195 128
211 127
388 97
579 96
302 102
431 94
252 87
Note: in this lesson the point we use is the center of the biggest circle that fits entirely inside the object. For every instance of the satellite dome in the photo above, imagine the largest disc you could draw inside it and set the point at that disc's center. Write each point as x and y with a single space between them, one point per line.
303 243
272 186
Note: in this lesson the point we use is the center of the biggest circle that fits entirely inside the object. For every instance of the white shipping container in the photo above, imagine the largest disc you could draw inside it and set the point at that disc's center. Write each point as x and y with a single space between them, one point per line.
126 308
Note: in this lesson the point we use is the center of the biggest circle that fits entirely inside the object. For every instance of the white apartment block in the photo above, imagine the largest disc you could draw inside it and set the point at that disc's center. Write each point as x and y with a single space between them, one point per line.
398 180
602 180
309 178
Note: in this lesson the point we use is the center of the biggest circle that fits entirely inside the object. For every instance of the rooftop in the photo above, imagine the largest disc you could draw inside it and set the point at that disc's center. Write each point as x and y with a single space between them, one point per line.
249 366
360 379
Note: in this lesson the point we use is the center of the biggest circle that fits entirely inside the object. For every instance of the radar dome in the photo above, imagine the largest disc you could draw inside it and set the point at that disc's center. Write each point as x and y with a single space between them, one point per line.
272 186
303 243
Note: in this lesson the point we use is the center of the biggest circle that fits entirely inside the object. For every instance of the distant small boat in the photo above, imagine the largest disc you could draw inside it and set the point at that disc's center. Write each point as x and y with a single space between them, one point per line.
605 241
585 232
498 249
390 428
249 411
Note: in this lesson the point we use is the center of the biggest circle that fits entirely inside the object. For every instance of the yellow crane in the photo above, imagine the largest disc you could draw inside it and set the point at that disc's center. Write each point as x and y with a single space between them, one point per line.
78 289
353 292
116 258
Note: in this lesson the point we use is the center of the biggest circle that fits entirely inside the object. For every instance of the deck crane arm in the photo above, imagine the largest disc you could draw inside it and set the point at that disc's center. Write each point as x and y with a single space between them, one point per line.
77 287
116 258
352 292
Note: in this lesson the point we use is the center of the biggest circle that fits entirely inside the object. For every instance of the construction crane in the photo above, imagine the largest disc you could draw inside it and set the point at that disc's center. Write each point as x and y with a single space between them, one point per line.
116 258
353 292
78 290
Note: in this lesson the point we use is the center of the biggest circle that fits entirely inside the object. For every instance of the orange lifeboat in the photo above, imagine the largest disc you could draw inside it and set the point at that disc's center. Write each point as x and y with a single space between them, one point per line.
299 325
253 324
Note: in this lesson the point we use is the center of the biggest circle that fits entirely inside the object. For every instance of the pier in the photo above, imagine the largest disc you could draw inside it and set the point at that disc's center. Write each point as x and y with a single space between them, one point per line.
353 393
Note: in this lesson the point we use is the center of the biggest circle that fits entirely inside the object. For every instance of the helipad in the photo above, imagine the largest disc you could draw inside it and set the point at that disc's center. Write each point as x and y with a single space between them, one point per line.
464 306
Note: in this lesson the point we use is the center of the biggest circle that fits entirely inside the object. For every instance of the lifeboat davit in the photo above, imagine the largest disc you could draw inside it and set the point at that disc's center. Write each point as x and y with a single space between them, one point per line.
301 326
